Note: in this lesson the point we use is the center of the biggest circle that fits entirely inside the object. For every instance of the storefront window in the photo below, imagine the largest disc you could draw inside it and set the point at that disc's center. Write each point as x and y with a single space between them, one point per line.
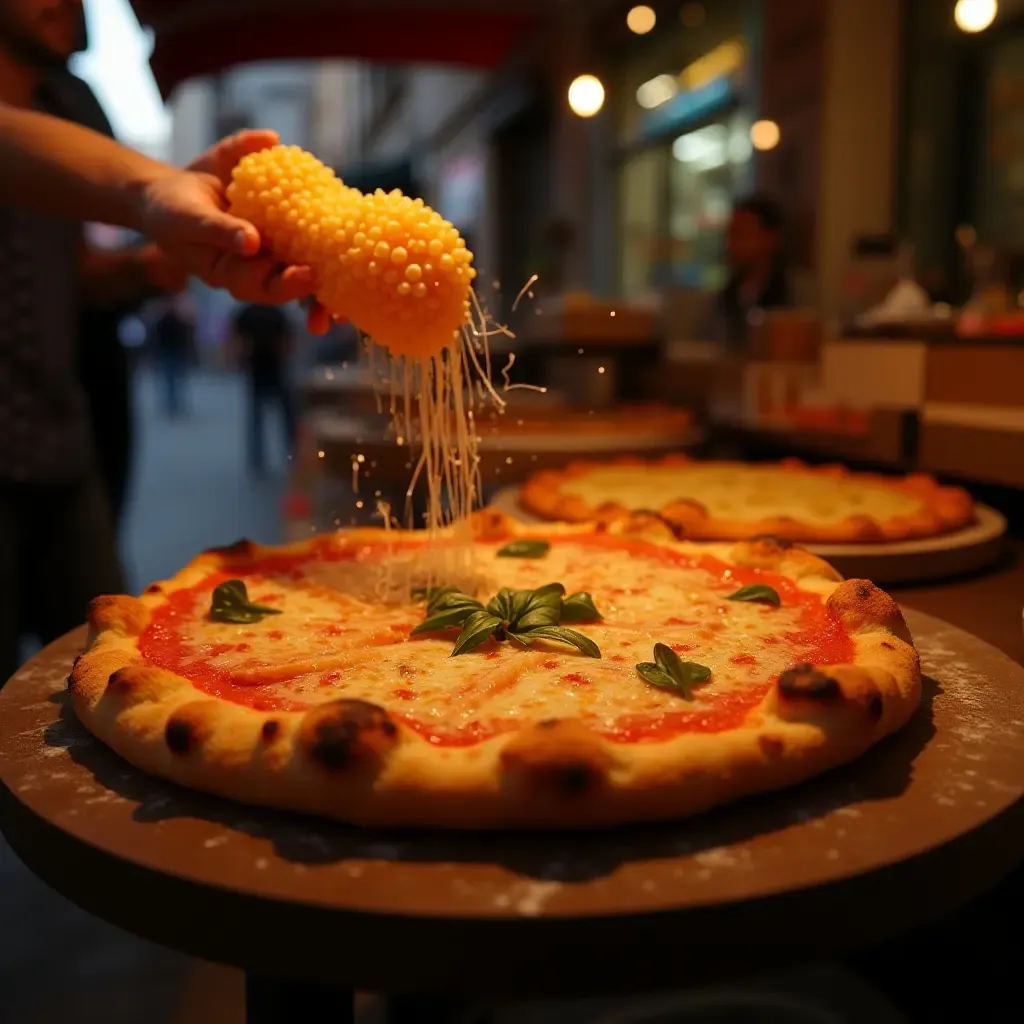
683 116
641 221
710 166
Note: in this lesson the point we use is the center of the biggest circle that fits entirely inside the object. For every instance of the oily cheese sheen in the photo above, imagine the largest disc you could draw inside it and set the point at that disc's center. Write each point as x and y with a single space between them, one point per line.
335 638
736 500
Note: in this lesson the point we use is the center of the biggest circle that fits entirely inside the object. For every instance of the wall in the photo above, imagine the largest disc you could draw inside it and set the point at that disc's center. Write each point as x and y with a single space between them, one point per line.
336 114
431 96
193 107
791 95
859 132
831 81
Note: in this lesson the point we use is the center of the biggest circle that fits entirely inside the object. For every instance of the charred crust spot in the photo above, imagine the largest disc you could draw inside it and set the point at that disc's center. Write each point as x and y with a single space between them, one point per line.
863 589
118 683
875 708
347 729
888 646
334 742
271 727
558 758
153 588
574 779
676 529
773 540
805 682
179 735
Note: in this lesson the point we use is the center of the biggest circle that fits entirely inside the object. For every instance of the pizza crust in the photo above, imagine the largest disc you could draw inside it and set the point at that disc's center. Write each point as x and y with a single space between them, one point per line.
349 759
937 509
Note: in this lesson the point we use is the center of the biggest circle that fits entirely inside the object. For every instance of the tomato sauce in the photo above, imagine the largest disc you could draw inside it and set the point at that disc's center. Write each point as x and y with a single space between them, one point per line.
820 640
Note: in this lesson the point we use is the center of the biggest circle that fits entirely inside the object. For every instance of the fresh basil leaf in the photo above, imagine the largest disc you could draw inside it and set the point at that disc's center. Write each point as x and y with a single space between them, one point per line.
757 592
452 599
562 635
543 607
432 595
549 592
656 676
502 603
478 627
525 549
539 615
451 608
444 620
685 672
579 608
230 603
683 676
666 659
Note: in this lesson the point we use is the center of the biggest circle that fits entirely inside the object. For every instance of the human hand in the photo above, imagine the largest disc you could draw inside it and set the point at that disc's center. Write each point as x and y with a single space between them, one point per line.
184 212
163 272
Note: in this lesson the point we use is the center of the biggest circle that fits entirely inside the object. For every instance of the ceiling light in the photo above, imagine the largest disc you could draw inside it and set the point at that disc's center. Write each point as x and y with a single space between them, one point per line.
586 95
764 135
975 15
641 20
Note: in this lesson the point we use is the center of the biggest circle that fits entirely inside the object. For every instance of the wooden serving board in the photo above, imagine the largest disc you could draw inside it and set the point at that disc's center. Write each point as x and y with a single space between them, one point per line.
953 554
914 829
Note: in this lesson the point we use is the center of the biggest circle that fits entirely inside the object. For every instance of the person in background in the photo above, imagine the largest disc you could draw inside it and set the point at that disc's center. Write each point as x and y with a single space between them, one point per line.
261 341
172 335
57 545
103 362
757 273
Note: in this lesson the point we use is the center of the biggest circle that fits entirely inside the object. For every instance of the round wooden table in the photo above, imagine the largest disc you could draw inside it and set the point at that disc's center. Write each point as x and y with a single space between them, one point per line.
312 910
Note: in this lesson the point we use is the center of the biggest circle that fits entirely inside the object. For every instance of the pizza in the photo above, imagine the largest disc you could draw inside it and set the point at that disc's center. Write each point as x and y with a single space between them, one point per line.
579 676
737 500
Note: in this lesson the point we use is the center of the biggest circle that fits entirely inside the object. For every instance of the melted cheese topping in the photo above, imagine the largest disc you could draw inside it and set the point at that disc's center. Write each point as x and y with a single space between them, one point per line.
742 493
335 638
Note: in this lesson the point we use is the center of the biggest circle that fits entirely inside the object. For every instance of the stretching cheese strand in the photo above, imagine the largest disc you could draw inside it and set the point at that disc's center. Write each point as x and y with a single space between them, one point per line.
390 264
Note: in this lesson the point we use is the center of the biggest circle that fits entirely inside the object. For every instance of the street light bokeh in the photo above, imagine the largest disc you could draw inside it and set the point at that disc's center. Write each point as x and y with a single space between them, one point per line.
586 95
975 15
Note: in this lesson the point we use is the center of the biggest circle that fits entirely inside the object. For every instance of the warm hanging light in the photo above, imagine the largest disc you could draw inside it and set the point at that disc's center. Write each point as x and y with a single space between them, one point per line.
586 95
975 15
641 19
764 135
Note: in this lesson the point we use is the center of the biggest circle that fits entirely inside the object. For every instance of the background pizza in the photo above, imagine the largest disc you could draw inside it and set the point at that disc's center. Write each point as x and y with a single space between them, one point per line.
735 500
578 677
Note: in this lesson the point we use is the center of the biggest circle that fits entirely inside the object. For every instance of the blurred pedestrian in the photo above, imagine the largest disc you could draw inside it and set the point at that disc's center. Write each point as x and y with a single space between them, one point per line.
172 338
261 340
758 277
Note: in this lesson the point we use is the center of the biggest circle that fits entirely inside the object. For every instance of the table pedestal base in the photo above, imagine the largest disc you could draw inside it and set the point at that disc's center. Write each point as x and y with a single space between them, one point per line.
271 1001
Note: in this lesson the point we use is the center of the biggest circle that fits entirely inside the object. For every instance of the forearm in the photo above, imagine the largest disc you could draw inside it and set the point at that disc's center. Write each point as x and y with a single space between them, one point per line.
60 168
121 278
